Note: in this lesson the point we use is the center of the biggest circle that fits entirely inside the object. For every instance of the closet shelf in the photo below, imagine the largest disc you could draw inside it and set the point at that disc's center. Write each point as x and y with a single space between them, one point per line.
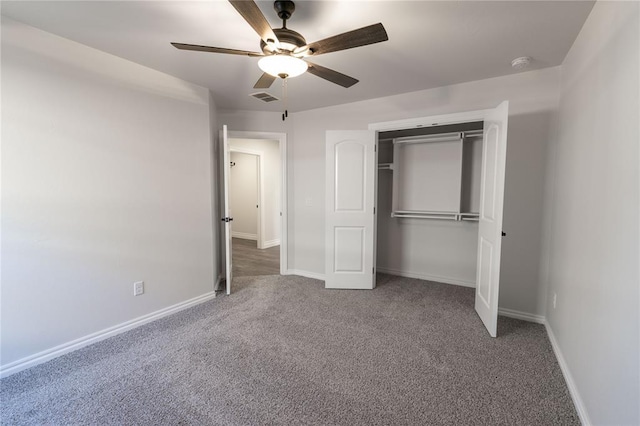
441 137
423 214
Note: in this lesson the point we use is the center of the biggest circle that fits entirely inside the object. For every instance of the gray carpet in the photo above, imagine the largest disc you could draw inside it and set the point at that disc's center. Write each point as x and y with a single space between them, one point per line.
283 350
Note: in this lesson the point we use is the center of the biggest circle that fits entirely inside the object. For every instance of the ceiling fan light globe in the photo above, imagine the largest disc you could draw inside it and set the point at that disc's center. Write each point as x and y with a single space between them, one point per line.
276 65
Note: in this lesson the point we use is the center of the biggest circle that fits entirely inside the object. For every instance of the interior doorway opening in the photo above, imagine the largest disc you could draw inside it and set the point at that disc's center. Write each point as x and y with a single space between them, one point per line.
255 207
262 249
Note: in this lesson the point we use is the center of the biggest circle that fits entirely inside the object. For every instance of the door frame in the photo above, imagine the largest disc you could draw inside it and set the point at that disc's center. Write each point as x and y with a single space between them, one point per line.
260 183
282 141
430 121
439 120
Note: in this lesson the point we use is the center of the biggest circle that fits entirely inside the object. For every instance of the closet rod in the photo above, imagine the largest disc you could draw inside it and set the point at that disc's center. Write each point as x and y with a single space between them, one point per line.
411 216
425 214
419 212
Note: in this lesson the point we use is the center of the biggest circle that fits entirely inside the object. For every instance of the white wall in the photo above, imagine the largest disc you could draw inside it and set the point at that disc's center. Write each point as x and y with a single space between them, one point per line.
106 180
592 254
243 195
272 175
533 100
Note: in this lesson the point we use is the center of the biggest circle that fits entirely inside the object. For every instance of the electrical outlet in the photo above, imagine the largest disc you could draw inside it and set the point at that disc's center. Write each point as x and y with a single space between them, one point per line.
555 298
138 288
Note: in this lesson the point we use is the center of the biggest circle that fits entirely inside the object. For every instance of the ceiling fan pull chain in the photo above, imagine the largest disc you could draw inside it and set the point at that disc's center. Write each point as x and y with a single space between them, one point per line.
284 96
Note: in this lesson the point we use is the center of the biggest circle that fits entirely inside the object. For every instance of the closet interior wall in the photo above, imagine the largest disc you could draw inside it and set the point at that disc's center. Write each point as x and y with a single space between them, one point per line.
428 192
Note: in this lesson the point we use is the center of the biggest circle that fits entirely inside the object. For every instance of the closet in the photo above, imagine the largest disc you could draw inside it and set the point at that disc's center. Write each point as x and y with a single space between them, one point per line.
444 189
428 202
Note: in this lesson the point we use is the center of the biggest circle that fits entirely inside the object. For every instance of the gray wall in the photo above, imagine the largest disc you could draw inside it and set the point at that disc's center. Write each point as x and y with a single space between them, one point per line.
591 252
106 180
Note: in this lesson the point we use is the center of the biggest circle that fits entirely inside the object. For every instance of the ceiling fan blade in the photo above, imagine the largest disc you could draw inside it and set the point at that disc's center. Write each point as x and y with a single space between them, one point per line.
331 75
361 37
211 49
254 17
265 81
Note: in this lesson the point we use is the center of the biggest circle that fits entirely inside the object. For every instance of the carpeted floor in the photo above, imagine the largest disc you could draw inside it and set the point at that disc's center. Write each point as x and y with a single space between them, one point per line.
283 350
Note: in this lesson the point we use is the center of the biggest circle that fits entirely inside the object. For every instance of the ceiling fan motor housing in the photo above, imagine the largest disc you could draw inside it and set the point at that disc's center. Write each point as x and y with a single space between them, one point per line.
288 39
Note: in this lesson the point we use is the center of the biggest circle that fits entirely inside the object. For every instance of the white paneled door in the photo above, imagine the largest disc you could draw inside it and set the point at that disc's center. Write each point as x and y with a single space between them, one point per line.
494 154
226 210
351 178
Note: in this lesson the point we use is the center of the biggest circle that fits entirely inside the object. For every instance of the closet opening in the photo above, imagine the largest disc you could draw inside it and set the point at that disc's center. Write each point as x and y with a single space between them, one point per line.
420 198
428 202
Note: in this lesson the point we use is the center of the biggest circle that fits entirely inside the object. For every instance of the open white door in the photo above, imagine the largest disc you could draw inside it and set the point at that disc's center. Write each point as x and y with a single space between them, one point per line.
350 202
226 217
494 155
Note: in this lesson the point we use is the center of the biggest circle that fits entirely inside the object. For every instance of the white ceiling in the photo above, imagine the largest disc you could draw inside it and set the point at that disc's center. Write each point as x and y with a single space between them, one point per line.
431 43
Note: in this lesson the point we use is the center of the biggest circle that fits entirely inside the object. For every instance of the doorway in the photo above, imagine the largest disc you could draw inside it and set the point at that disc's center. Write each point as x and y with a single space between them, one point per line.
254 206
257 185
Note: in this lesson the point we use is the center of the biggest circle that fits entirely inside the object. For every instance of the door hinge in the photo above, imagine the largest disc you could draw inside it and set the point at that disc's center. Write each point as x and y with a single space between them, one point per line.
373 270
504 234
227 219
374 210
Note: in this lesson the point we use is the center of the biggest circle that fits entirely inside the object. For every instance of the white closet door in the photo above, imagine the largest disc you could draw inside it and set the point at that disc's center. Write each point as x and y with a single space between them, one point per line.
226 167
490 222
350 221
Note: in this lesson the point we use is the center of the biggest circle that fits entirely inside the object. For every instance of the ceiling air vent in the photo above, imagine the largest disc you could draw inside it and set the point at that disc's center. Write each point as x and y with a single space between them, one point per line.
264 96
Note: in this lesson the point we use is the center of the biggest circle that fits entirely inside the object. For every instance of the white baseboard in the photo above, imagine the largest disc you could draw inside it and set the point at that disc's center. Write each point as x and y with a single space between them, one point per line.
525 316
49 354
271 243
571 384
427 277
306 274
244 235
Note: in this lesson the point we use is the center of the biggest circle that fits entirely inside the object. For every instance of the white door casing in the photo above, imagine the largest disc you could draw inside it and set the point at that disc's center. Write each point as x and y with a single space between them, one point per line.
226 215
351 176
494 155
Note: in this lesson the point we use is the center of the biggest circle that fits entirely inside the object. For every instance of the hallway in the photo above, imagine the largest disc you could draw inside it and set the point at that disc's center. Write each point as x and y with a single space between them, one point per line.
248 260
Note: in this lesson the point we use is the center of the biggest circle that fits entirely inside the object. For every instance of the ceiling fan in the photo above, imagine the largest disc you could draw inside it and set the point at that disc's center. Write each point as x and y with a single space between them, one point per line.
283 49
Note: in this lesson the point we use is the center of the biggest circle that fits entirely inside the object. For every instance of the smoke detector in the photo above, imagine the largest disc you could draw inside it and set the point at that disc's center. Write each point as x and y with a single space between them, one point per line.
521 63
